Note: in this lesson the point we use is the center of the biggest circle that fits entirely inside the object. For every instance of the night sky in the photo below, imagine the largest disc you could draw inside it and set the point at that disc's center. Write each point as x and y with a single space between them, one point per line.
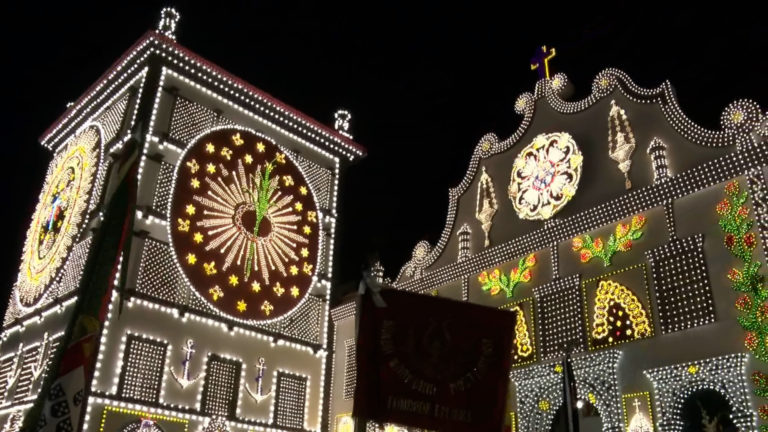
423 83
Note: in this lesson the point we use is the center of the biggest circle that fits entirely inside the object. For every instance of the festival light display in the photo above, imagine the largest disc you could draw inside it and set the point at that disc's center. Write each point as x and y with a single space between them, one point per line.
665 295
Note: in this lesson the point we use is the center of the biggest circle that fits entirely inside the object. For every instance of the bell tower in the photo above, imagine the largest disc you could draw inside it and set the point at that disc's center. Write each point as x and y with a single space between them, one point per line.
177 270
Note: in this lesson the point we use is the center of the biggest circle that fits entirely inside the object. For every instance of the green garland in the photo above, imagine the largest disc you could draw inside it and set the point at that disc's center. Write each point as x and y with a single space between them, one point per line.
752 304
736 225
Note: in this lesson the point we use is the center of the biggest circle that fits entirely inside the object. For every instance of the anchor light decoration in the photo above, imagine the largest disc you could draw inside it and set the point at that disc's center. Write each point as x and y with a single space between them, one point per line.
486 205
40 363
621 141
259 396
14 372
185 379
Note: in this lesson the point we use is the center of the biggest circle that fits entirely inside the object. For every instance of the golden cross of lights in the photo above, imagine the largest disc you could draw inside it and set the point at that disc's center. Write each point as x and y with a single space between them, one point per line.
542 58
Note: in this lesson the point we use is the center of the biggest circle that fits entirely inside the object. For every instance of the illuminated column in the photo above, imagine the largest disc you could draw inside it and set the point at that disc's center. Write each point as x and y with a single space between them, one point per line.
658 152
465 242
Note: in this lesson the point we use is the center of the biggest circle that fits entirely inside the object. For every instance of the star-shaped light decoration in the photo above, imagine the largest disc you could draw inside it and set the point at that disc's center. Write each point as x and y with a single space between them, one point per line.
191 259
242 306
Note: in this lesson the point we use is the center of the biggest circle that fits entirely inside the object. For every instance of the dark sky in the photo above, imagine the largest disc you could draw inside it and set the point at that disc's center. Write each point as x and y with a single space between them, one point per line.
423 83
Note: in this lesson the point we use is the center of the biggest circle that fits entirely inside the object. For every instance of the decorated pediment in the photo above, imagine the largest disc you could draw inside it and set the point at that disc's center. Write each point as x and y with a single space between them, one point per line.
571 158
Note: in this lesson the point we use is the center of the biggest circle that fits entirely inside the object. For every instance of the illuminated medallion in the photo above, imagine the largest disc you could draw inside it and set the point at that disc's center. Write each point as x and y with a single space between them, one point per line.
59 215
244 225
545 176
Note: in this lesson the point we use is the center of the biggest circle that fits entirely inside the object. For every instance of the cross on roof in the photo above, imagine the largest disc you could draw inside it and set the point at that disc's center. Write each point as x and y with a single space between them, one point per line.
542 58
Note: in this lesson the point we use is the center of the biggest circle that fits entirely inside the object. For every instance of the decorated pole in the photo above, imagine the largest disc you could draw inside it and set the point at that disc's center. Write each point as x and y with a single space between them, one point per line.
569 394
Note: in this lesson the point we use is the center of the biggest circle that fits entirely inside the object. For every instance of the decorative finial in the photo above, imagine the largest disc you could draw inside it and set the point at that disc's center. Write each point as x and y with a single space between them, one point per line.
540 61
621 140
169 17
486 204
341 122
657 150
377 271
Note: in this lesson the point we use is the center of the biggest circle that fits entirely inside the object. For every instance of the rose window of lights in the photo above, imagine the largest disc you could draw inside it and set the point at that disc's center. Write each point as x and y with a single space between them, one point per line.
545 176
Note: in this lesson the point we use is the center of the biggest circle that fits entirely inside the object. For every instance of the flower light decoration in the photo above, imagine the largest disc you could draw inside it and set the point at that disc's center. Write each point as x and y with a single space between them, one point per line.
244 225
545 175
753 303
496 281
619 241
741 242
59 215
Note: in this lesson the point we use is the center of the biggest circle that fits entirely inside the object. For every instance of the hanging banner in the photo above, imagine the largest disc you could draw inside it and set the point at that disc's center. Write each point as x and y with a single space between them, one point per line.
433 363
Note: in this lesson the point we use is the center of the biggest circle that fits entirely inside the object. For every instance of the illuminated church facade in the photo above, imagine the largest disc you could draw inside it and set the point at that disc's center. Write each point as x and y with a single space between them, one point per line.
622 233
177 270
194 215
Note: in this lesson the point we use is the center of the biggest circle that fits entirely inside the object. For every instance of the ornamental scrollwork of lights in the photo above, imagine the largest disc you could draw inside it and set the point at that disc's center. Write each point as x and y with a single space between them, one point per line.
613 323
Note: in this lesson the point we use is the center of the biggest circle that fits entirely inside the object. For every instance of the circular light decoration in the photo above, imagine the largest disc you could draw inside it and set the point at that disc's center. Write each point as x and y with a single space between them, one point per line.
244 225
58 217
545 176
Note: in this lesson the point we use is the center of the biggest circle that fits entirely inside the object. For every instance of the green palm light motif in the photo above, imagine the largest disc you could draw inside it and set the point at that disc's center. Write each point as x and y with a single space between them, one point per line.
260 205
